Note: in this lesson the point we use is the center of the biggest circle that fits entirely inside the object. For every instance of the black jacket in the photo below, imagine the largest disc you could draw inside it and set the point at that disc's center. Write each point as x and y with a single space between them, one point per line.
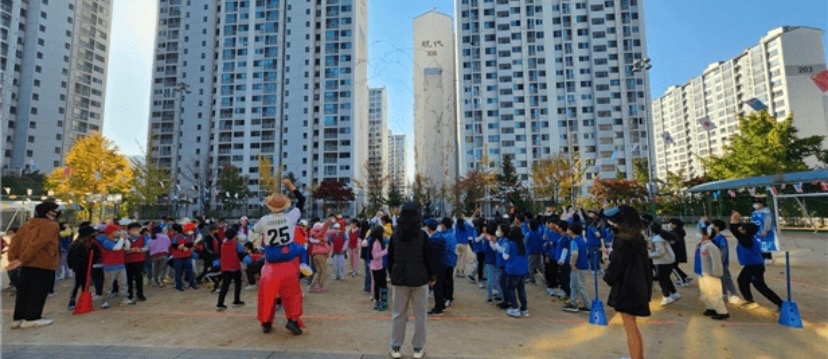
679 245
630 276
78 256
409 261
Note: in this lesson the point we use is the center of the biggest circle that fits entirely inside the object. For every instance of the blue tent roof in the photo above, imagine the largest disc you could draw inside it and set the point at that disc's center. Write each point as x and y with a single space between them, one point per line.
763 181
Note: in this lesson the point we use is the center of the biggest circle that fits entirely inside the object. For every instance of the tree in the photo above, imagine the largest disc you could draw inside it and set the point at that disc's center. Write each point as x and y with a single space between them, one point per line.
556 178
373 186
395 197
641 169
615 192
233 186
335 192
510 187
19 185
94 168
149 183
763 146
267 181
469 191
423 193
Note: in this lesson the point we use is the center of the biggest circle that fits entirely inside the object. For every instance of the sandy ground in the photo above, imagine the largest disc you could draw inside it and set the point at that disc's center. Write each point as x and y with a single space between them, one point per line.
342 321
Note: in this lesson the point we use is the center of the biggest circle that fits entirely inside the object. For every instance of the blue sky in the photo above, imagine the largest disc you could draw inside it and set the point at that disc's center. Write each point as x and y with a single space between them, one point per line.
683 37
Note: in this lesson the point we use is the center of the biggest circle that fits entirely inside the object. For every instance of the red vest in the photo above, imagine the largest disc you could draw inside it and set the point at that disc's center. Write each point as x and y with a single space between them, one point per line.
353 239
256 256
182 239
230 256
112 258
338 242
140 256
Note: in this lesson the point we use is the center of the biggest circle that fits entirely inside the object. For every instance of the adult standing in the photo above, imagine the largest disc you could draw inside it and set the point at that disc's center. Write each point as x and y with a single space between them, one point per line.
35 251
629 274
412 270
763 218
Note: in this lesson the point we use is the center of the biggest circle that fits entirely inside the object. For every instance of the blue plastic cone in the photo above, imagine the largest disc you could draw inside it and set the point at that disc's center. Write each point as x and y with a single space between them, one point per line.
789 314
597 315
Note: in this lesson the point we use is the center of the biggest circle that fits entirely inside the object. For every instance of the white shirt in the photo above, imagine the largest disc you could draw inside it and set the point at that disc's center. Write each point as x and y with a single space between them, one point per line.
277 228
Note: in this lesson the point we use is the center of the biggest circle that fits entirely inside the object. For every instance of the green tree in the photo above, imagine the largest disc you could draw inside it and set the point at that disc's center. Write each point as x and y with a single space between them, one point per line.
395 197
763 146
641 169
149 183
556 178
95 167
424 192
509 185
19 185
233 186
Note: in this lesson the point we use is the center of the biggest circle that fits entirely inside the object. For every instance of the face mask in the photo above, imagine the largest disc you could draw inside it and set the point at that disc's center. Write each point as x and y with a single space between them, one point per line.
757 206
698 236
190 233
498 234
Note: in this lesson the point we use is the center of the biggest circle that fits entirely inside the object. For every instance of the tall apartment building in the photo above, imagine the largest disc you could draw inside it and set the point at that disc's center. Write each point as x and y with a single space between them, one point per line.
377 132
397 170
53 58
271 78
775 71
435 93
538 78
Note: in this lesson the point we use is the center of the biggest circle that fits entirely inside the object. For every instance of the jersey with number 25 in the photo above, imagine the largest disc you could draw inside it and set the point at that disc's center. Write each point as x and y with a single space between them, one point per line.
277 228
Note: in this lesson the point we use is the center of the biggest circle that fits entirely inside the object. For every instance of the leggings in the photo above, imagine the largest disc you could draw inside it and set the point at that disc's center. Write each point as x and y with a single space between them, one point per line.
481 261
664 281
755 274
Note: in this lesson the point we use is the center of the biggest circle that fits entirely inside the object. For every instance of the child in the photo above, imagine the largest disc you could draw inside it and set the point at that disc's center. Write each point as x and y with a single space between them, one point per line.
78 259
562 257
517 267
498 244
663 257
749 252
230 254
534 244
378 252
159 250
320 250
728 288
354 246
437 251
708 265
135 258
578 265
493 290
114 245
337 241
182 248
680 249
445 228
551 238
63 270
594 243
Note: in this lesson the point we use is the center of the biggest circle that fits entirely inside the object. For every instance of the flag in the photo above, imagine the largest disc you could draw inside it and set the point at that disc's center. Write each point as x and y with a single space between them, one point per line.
237 196
227 194
706 124
598 164
773 190
823 186
756 104
668 140
798 187
752 191
97 175
614 155
732 193
717 194
821 80
67 171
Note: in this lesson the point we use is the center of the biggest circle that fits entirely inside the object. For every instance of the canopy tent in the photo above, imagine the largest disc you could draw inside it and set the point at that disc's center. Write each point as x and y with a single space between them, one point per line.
763 181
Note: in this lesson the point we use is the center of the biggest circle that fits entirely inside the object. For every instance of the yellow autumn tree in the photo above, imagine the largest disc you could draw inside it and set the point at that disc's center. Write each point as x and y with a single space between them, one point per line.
93 168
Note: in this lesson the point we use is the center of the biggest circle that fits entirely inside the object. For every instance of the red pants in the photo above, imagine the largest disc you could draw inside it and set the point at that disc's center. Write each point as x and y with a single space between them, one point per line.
280 280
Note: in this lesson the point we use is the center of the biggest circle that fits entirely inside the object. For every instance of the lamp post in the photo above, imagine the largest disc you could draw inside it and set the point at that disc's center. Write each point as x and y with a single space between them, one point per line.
643 66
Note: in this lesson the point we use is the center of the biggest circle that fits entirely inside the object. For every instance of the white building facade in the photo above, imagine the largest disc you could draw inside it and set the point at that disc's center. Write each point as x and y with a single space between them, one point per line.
377 131
397 168
435 91
280 79
539 78
777 71
53 59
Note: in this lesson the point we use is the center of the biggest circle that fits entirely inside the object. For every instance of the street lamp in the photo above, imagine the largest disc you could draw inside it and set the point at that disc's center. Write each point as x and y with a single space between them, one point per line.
643 66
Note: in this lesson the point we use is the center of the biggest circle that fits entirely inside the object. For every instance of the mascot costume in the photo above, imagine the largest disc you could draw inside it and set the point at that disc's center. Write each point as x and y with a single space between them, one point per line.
280 274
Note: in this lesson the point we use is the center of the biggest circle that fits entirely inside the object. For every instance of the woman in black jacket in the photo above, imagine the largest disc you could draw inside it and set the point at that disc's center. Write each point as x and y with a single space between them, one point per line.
412 270
680 249
629 274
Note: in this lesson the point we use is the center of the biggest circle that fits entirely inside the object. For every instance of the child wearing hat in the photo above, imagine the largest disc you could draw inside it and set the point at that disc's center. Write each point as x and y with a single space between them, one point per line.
337 240
182 244
115 245
78 259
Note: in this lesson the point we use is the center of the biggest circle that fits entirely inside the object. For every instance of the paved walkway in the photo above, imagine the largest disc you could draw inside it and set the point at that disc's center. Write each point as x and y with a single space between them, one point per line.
13 351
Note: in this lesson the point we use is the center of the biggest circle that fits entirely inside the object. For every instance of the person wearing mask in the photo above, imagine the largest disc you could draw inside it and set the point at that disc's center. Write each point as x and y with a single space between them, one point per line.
159 252
708 266
412 271
78 259
135 257
762 217
114 246
749 252
437 251
182 248
728 288
35 251
445 229
663 257
680 249
629 274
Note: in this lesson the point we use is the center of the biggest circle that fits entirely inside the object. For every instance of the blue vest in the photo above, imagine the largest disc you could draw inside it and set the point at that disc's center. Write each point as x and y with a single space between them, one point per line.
593 236
534 242
582 262
490 254
551 243
463 236
608 235
750 256
563 242
767 244
502 243
720 241
517 264
451 248
697 262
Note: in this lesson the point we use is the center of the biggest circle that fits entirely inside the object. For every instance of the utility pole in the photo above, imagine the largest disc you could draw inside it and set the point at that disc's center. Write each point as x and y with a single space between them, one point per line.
643 66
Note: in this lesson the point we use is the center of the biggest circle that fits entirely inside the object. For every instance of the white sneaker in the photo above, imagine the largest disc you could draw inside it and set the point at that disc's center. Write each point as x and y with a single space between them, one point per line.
749 305
105 305
525 313
16 324
667 300
418 354
127 301
768 262
481 285
676 296
735 300
35 323
251 287
395 353
515 313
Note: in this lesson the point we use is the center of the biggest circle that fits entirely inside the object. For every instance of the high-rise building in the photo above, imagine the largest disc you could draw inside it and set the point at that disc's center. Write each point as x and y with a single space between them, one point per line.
377 132
776 71
53 58
397 172
435 91
236 80
540 78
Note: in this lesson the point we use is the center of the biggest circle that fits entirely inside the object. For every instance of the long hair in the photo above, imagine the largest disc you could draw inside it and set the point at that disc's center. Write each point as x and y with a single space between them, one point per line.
628 220
516 236
460 224
409 222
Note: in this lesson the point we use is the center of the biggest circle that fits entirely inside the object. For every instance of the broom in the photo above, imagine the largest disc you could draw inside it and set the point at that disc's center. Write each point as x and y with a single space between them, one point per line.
84 304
